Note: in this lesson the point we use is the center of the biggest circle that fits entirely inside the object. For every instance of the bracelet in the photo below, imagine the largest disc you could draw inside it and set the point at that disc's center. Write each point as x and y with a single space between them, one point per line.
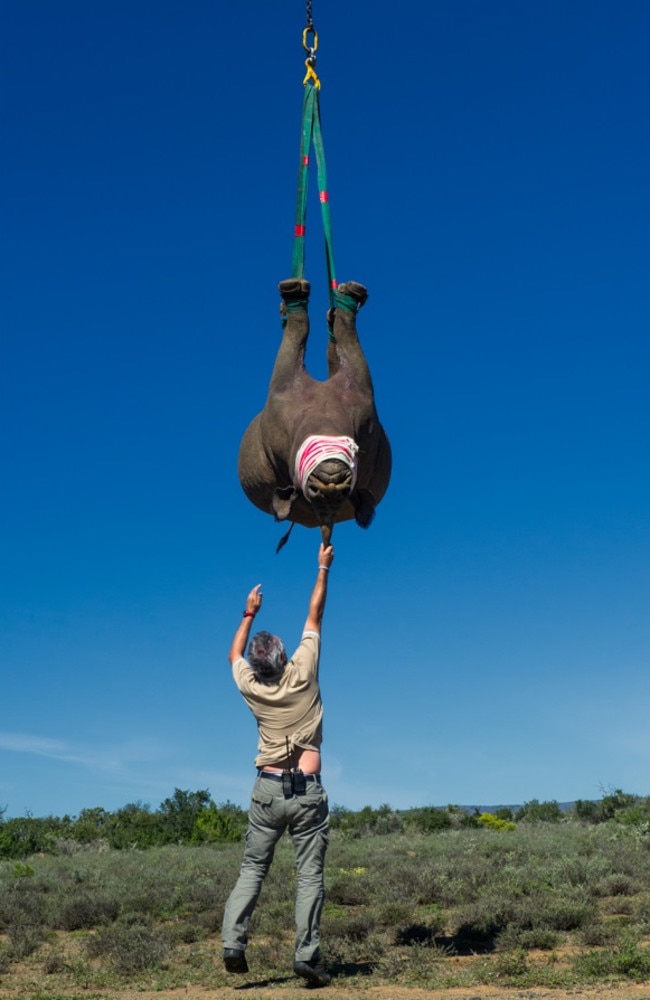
249 614
326 568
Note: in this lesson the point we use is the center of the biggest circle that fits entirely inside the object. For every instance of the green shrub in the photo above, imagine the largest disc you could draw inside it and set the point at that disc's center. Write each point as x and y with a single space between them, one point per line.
415 934
615 884
564 913
537 938
135 826
5 957
353 926
24 939
24 836
512 964
21 870
347 890
588 811
598 934
539 812
220 823
428 820
491 822
87 910
133 944
394 914
23 905
619 806
617 802
366 822
627 960
54 962
480 925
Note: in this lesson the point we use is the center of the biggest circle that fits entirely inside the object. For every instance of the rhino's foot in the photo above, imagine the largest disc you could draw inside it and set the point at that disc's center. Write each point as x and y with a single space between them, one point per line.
351 296
295 294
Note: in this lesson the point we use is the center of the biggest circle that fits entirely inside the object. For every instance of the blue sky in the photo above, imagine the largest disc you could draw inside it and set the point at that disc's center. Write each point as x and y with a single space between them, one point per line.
487 640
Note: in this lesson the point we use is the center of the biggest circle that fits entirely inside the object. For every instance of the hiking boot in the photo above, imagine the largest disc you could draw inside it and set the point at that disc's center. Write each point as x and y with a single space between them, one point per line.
313 971
235 960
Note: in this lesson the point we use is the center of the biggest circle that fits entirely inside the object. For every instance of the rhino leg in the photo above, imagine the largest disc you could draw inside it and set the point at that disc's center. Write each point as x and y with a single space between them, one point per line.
290 358
344 350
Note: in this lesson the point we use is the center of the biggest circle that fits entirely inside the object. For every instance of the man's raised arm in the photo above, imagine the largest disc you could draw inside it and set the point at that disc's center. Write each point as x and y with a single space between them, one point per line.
319 593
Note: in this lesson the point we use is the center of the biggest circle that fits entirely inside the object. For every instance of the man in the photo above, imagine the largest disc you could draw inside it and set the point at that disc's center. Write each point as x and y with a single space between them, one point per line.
284 696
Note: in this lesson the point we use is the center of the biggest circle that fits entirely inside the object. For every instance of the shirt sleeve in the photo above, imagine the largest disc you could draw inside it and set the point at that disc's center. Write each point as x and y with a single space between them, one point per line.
306 657
241 673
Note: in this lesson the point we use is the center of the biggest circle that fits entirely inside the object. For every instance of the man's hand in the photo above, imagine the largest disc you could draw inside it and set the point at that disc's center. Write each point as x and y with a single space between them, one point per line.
325 556
253 605
319 593
254 600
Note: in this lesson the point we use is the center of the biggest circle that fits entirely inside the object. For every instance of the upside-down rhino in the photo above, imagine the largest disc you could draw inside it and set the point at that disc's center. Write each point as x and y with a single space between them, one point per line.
317 453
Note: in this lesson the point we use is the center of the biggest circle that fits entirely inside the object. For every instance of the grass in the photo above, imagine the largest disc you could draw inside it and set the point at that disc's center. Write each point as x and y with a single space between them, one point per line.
542 905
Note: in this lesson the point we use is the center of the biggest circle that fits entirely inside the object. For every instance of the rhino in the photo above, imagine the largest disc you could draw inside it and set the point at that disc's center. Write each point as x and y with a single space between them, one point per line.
317 453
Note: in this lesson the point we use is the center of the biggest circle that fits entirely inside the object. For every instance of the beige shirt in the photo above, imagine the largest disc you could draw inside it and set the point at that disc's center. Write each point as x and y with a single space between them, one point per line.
291 709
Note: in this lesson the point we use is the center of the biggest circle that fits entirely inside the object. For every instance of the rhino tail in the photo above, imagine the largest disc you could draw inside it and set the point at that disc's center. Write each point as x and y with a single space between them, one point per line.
285 538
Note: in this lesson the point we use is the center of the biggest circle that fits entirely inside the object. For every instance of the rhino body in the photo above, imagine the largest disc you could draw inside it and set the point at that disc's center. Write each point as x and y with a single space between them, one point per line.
299 407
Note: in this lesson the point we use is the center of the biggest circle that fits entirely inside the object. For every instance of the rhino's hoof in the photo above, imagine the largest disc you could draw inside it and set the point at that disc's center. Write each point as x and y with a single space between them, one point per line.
349 297
355 291
295 289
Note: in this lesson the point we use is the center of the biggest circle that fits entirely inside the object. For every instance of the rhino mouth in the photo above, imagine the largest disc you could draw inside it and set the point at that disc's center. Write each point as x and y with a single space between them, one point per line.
328 486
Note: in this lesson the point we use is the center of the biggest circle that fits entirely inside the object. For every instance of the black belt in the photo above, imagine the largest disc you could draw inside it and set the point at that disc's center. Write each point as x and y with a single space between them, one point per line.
278 777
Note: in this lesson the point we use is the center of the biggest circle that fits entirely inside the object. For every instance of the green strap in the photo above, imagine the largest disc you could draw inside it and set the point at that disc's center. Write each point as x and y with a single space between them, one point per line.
311 133
346 302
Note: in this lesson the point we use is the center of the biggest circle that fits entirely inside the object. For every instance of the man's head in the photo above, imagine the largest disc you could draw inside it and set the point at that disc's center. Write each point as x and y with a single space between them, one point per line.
267 657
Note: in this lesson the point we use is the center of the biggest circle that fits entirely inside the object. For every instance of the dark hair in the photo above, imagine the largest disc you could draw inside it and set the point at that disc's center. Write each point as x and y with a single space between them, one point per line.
267 657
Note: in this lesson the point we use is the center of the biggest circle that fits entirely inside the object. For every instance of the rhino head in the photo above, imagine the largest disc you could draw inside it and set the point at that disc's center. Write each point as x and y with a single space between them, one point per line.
325 472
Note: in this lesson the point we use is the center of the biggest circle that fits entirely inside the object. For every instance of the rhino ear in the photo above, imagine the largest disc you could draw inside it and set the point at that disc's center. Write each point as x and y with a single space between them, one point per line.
283 498
364 508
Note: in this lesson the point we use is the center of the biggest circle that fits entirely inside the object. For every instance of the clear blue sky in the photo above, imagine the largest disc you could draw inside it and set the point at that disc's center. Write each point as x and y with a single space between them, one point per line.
487 640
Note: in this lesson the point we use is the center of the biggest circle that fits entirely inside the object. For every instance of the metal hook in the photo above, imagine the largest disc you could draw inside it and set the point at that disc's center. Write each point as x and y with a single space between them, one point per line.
310 29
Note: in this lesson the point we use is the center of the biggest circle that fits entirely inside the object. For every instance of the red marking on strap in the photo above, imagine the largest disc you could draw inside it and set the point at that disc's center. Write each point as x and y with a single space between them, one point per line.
324 196
305 160
299 231
334 284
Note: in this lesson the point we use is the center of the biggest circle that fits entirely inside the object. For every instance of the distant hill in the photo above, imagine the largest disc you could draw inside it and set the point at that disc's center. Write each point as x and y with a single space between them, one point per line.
564 806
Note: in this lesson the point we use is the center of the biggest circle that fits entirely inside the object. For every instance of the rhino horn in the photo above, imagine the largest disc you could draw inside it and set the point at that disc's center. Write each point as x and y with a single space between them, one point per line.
326 533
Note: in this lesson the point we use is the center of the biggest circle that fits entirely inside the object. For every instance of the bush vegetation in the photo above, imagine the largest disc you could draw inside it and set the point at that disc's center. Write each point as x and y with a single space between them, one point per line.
429 897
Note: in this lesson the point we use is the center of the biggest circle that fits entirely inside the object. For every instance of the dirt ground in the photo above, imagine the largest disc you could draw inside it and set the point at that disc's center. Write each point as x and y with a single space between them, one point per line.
291 990
29 982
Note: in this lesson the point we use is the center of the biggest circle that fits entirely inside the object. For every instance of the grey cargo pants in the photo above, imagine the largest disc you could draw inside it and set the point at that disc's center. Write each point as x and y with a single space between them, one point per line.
306 816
